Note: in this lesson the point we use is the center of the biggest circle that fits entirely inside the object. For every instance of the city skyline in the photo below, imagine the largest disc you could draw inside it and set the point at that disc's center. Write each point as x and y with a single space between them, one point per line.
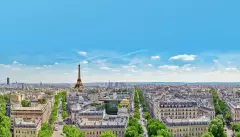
120 41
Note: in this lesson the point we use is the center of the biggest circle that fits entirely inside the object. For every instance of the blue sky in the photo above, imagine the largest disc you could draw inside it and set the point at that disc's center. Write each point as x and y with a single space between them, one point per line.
120 40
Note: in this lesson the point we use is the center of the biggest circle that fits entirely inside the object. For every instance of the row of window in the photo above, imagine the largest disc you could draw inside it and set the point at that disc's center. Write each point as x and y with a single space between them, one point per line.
190 134
179 113
100 132
178 109
186 129
25 132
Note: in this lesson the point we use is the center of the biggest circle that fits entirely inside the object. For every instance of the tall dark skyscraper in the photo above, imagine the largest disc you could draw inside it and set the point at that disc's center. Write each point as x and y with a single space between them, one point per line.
8 80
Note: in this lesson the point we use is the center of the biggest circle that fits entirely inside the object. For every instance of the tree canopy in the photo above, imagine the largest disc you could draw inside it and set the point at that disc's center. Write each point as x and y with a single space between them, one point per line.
25 103
64 106
72 131
45 131
235 127
42 101
238 134
207 134
153 126
221 107
134 128
216 127
4 120
131 131
107 134
163 133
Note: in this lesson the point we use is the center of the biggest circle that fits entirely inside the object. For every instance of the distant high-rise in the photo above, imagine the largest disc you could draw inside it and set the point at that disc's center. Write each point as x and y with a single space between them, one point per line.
8 80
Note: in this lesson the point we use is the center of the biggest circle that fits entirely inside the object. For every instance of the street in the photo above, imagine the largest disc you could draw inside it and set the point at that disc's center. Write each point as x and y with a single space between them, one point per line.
229 131
142 123
59 123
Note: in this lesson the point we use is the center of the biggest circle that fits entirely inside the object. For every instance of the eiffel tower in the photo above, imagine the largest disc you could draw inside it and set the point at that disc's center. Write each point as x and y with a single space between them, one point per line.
79 84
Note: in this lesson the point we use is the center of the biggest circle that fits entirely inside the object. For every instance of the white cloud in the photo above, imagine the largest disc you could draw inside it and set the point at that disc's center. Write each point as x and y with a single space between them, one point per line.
129 66
155 57
104 68
99 61
84 62
184 57
127 74
38 68
65 73
15 62
232 69
115 70
56 63
150 65
47 66
170 67
187 67
82 53
5 66
133 70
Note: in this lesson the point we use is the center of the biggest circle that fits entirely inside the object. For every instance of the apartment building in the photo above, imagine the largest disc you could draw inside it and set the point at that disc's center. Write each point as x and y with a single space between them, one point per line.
234 107
94 128
187 127
26 128
185 112
36 111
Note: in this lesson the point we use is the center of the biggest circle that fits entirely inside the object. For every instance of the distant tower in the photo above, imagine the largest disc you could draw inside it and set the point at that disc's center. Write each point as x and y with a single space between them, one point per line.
8 81
40 84
79 81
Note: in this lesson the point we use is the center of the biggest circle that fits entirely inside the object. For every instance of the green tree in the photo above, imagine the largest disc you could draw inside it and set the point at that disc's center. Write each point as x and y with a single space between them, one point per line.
237 134
153 126
131 131
64 114
163 133
107 134
134 122
4 121
45 131
207 134
42 101
72 131
5 132
25 103
216 127
235 127
147 115
228 117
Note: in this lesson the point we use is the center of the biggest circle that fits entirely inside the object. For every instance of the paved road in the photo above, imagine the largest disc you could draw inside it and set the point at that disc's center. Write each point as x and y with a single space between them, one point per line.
229 131
59 119
142 123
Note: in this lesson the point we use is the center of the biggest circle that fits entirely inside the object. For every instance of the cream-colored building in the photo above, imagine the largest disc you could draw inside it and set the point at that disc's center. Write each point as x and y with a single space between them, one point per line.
180 109
114 124
26 128
235 111
36 111
187 127
184 113
18 97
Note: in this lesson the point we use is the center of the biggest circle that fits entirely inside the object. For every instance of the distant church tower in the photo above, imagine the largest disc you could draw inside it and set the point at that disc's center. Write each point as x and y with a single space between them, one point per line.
79 84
